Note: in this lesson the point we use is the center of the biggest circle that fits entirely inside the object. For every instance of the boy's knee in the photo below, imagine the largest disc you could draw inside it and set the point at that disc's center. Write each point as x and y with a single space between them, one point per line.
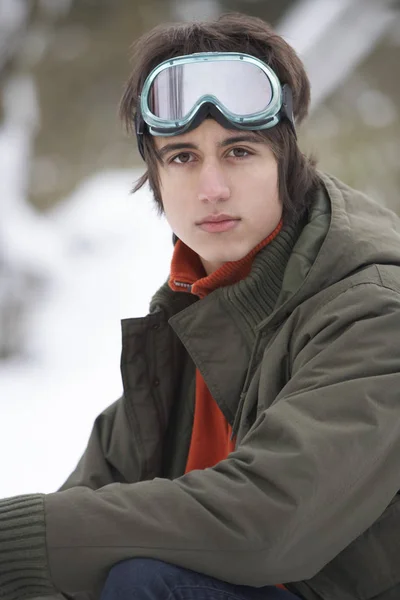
137 573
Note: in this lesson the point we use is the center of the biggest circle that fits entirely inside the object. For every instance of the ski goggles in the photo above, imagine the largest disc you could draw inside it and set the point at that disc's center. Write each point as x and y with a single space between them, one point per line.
237 90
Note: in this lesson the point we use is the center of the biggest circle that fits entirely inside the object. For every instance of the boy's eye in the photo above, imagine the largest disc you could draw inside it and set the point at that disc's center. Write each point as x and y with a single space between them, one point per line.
239 152
183 157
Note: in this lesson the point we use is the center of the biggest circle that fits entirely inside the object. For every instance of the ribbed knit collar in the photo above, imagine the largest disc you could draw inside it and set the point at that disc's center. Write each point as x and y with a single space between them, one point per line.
255 296
188 274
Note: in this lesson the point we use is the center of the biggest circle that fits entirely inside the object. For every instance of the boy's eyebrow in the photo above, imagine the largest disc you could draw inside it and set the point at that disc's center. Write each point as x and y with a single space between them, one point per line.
177 146
246 137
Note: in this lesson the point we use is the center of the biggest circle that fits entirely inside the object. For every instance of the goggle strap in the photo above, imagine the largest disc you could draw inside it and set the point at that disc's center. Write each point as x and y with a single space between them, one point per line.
139 129
287 106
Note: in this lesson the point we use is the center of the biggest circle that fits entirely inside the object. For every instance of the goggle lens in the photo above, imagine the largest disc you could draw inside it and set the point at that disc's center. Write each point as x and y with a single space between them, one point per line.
241 87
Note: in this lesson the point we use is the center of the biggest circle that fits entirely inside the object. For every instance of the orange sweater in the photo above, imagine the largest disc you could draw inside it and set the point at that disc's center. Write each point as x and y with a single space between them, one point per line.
211 434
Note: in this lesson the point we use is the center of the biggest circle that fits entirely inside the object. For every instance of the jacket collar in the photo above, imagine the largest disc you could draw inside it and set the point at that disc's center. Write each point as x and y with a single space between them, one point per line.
219 332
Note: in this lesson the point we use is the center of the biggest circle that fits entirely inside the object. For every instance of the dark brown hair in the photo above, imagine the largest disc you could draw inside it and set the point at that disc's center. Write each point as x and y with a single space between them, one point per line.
232 32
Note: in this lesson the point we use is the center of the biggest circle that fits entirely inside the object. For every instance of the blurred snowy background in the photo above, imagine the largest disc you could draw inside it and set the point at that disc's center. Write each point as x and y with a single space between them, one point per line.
77 251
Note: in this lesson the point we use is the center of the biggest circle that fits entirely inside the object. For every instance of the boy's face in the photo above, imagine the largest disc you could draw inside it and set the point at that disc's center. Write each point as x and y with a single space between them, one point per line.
216 171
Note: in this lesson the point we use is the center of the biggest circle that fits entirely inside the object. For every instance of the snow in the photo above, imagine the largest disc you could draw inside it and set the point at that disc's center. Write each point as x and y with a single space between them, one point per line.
66 280
23 266
112 252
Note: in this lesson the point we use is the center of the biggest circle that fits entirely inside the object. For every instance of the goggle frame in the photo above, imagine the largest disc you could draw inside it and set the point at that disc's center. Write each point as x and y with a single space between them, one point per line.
280 105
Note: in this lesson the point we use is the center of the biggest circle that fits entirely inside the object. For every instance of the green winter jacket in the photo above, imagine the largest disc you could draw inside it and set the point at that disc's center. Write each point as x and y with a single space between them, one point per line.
303 357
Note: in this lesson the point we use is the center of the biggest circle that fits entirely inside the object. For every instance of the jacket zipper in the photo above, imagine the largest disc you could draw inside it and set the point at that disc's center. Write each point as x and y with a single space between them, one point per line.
184 285
253 364
249 375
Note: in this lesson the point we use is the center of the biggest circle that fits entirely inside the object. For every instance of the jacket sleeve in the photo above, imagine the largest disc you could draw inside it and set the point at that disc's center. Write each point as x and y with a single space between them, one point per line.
315 471
96 468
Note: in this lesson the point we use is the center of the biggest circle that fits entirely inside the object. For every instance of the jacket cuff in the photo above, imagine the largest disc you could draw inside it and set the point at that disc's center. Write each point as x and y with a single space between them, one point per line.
23 559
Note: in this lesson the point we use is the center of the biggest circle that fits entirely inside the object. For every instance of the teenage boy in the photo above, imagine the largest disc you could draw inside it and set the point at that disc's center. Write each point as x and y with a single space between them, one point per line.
258 439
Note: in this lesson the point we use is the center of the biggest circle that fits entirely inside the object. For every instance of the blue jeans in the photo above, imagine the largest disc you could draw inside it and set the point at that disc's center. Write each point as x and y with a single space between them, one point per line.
149 579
